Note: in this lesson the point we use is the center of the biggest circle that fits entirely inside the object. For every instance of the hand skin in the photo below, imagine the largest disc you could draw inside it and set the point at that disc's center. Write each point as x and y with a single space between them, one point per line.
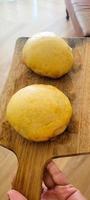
55 187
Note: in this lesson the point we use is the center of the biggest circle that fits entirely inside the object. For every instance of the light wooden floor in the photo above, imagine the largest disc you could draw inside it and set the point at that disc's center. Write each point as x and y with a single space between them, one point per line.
24 18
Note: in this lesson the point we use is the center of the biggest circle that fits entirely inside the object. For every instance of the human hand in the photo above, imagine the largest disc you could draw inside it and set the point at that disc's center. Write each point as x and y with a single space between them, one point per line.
56 187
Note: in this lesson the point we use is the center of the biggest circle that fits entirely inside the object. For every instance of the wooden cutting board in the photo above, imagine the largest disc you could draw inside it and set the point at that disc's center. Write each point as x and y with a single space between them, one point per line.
33 156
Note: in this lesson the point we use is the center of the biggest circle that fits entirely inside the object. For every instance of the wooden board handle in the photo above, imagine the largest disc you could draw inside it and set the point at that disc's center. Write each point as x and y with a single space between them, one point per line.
29 176
29 184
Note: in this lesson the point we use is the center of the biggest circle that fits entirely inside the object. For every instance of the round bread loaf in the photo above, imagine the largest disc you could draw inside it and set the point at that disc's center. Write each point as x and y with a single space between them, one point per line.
48 55
39 112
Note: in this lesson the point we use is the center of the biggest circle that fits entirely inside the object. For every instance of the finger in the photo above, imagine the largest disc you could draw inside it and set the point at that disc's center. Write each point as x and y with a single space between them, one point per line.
68 192
77 196
14 195
61 193
65 191
53 176
48 195
57 176
48 181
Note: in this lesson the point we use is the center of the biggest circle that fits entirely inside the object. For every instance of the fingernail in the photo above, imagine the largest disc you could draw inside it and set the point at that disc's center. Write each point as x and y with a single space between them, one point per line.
14 195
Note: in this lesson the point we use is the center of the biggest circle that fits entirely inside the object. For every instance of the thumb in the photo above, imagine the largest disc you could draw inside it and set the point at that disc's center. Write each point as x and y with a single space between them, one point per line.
14 195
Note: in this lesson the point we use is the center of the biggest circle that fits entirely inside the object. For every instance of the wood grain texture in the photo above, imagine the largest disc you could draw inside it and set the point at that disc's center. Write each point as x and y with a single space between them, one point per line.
75 140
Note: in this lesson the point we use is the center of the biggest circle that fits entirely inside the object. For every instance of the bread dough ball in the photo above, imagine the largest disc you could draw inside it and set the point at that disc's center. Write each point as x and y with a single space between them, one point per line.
48 55
39 112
